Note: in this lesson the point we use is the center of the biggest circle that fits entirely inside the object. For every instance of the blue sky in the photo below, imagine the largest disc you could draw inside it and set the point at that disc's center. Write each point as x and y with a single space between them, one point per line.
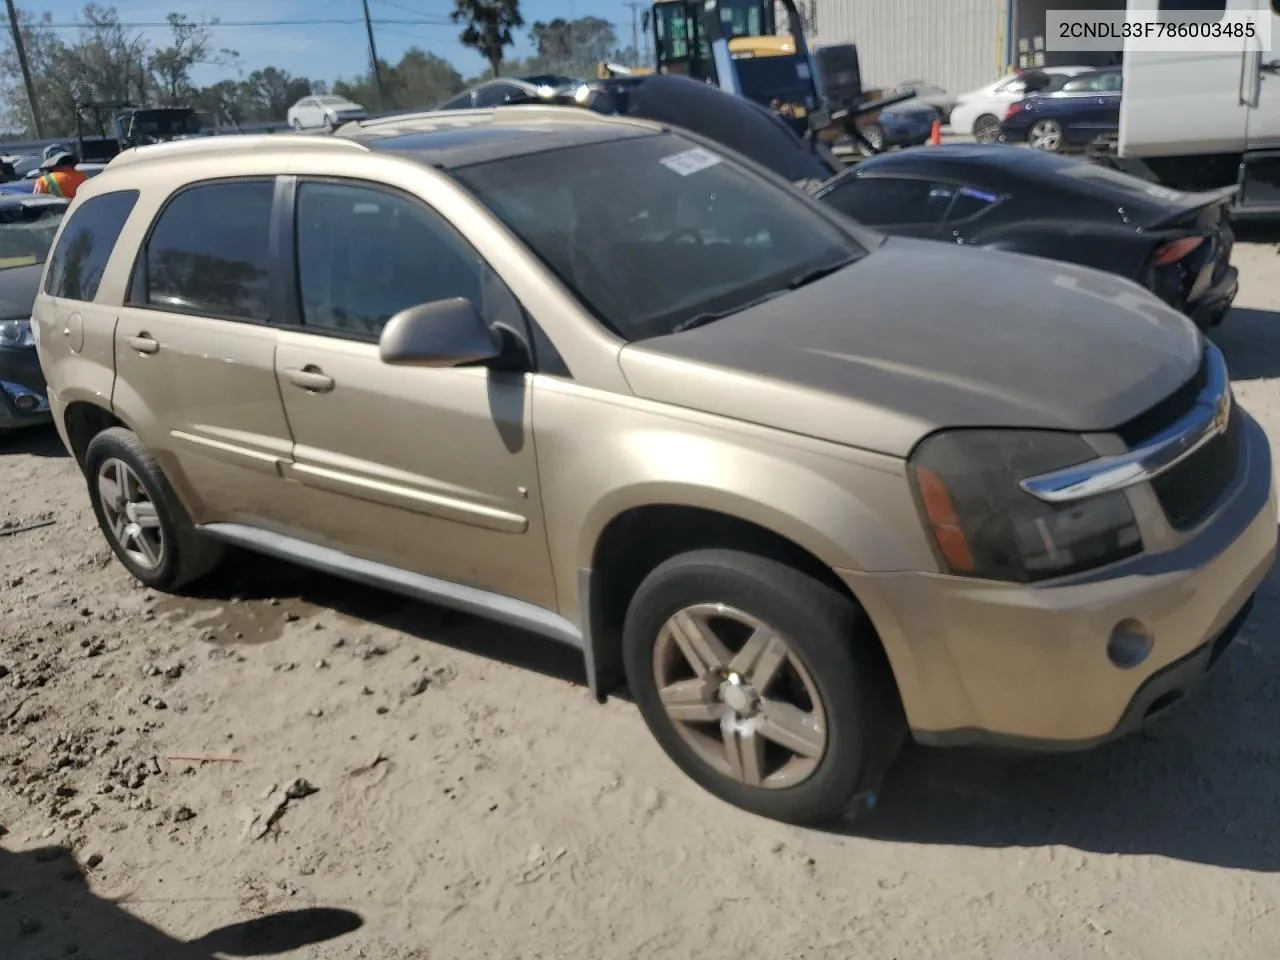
327 51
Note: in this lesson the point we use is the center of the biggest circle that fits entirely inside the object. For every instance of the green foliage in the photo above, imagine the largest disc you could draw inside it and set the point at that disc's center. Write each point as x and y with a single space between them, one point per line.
488 26
108 62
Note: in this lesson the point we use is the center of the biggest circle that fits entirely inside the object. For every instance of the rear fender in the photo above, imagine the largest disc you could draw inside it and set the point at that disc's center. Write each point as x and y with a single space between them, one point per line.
1119 250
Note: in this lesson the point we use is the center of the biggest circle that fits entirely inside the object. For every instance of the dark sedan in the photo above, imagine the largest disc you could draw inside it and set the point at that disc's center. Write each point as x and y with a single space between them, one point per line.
1176 244
1084 110
906 124
27 228
507 90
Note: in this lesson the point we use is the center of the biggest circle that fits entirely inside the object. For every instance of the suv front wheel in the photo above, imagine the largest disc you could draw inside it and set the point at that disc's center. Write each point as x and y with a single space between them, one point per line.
762 684
141 516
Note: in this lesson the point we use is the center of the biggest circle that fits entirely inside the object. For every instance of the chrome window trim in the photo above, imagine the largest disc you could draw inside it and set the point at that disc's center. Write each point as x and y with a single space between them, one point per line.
1207 419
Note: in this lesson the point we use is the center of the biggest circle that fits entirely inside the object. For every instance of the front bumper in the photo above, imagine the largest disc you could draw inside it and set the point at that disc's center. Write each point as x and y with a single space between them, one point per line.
24 400
979 662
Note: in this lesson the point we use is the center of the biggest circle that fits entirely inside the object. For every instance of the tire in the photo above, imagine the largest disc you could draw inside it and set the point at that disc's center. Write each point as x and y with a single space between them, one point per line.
328 123
986 129
183 555
1046 135
831 652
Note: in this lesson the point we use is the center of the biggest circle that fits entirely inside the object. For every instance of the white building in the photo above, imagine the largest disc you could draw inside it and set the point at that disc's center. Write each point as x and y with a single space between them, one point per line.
957 44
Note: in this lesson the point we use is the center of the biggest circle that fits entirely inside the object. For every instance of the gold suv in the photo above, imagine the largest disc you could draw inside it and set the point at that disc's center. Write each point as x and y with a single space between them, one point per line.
608 383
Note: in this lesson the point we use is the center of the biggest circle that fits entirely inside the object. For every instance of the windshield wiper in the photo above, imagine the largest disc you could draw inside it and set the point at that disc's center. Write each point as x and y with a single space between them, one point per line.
817 273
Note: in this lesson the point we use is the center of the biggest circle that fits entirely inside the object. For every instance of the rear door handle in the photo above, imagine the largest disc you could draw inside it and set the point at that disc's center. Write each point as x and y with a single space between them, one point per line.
144 343
310 378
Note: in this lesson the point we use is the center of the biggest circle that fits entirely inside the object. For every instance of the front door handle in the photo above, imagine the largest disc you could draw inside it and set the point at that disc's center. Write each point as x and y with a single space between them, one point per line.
1271 66
144 343
310 378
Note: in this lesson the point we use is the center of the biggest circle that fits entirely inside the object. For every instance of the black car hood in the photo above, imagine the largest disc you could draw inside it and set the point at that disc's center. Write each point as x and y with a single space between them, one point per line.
18 289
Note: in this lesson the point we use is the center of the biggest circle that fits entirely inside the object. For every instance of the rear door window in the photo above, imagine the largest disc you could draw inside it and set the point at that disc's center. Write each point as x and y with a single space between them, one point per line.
208 252
76 267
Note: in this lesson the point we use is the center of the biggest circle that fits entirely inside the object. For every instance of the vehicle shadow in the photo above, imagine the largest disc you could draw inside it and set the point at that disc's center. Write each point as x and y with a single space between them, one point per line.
1198 785
47 909
248 577
34 441
1250 340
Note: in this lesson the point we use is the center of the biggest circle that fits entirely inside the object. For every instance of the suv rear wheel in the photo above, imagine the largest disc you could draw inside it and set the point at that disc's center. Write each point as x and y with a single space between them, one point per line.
140 515
762 684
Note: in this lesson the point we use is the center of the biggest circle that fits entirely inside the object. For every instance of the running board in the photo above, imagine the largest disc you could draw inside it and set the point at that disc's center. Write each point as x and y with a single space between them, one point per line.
444 593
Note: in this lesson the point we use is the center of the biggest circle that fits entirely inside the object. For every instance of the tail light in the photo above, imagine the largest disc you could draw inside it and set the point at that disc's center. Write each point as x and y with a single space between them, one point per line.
1174 251
1013 108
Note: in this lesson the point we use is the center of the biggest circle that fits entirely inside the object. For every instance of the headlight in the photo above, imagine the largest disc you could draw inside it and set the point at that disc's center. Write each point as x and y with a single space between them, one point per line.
984 525
16 333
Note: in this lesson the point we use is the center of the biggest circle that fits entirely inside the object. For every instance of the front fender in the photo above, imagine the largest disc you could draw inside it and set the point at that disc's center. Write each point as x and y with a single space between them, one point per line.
601 455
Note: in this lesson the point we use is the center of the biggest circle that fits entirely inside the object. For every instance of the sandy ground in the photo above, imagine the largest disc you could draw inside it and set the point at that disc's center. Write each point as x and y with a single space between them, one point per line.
471 801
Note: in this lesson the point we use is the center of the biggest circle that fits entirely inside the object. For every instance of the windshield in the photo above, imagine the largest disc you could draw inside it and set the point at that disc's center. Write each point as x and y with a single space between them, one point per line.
653 232
165 123
332 101
26 233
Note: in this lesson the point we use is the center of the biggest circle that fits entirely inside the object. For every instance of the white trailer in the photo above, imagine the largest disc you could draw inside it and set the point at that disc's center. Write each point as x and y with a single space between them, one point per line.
1198 120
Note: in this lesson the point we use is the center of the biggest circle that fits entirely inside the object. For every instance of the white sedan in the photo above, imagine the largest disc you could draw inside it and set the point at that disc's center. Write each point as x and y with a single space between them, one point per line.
328 112
978 113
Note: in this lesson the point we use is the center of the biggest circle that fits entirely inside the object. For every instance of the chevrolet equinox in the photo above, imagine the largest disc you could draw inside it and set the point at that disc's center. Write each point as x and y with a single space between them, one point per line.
606 382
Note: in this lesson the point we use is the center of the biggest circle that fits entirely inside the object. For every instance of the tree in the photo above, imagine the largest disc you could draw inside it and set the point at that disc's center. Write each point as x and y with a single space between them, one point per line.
488 27
191 44
419 81
105 62
572 46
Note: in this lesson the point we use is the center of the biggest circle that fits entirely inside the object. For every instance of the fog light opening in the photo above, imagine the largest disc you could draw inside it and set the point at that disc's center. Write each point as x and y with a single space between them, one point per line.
26 402
1130 644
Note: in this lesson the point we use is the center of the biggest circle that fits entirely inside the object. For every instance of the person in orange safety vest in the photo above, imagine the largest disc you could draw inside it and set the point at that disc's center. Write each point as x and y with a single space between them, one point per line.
61 178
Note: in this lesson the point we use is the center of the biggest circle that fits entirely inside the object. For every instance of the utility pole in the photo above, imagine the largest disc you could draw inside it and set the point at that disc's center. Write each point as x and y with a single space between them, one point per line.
373 54
21 50
634 5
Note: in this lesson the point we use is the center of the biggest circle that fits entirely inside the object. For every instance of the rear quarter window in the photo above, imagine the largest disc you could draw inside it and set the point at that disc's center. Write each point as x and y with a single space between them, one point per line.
80 258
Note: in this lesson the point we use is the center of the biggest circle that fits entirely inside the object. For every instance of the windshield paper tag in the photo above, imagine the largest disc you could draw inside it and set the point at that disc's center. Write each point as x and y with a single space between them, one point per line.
690 161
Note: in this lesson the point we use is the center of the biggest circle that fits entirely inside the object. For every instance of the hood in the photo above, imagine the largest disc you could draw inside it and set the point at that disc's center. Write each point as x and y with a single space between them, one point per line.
920 335
18 289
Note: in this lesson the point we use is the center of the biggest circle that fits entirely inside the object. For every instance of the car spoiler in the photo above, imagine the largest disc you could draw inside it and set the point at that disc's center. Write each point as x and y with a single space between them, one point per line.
1191 204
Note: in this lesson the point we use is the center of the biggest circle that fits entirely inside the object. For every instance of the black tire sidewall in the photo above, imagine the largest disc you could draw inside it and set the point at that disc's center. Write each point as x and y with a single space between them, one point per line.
820 635
114 444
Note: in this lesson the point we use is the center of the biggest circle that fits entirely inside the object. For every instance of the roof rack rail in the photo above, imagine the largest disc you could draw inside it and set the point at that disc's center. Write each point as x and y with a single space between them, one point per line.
226 143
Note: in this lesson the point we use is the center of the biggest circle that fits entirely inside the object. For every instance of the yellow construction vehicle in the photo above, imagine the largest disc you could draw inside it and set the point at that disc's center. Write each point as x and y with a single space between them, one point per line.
746 49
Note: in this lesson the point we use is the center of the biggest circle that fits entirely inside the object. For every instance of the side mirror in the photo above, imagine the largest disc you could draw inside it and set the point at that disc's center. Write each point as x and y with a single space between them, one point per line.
443 333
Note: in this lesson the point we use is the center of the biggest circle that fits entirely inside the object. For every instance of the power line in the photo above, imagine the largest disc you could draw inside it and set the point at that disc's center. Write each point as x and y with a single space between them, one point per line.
160 24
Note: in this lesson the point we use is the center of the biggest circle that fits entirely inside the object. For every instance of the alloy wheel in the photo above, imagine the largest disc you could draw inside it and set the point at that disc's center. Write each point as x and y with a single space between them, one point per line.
738 695
130 514
1045 135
